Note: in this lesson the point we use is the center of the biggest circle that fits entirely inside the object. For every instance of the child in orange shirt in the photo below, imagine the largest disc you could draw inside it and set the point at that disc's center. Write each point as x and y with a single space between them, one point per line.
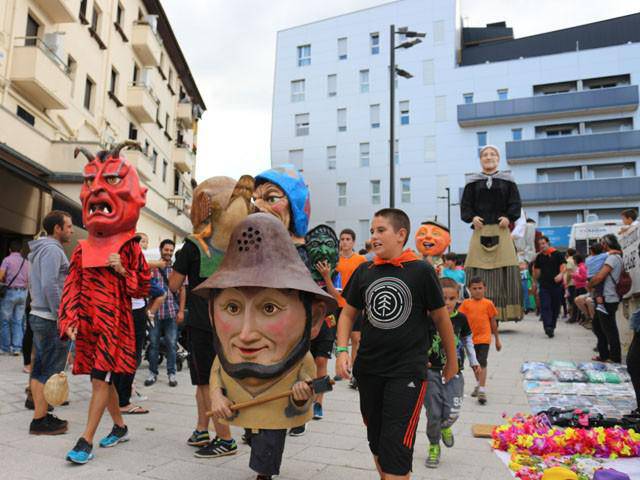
481 314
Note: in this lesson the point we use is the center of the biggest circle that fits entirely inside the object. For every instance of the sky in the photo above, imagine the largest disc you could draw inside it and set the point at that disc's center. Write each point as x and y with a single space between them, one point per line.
230 48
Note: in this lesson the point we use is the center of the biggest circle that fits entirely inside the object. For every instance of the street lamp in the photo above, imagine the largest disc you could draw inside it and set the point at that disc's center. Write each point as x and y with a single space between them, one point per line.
393 71
449 205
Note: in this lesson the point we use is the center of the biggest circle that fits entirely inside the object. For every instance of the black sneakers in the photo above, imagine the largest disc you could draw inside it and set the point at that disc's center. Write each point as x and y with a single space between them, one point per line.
48 425
217 448
298 431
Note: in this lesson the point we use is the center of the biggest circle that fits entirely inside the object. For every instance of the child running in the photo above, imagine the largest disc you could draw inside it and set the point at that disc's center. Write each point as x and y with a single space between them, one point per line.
481 314
443 402
399 292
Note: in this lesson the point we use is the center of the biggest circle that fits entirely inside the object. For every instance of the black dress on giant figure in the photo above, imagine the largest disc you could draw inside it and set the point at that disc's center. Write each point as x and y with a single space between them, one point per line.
491 202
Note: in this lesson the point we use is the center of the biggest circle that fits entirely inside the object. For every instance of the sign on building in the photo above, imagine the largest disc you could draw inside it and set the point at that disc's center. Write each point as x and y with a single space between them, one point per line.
630 242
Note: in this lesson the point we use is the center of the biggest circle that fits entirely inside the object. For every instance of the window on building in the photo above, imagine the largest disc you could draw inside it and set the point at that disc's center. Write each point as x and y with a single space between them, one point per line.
561 174
302 124
482 139
297 90
404 112
608 126
113 82
503 94
560 218
136 72
364 154
167 122
146 147
553 88
89 86
83 11
374 43
170 79
342 48
304 55
606 82
332 85
468 98
119 15
331 223
296 158
133 131
611 170
364 81
95 18
557 130
375 192
405 190
342 119
154 160
374 115
342 194
31 34
516 134
26 116
364 227
165 167
396 151
331 157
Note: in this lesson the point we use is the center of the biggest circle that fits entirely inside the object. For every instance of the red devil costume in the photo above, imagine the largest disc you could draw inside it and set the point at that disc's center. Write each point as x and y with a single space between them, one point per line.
96 299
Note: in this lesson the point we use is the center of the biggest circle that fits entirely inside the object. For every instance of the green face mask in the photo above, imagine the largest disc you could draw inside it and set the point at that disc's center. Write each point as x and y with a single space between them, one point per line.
322 245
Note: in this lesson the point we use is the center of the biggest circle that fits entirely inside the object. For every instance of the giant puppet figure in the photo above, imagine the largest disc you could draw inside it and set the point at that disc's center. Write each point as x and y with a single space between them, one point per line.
432 239
265 308
106 271
490 202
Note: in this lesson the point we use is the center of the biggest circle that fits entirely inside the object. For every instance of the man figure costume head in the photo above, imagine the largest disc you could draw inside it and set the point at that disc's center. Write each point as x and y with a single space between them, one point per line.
432 239
263 303
322 246
112 198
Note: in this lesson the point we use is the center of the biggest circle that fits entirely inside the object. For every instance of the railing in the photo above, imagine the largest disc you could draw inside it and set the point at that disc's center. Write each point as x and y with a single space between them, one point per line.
38 43
580 190
154 30
147 87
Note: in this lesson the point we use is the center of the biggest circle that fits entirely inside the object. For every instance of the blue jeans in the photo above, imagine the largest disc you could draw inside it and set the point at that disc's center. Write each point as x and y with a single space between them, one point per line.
167 328
550 303
12 319
51 352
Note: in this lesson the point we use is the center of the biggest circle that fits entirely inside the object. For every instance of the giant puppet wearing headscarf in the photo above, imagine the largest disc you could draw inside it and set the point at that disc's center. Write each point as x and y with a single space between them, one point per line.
490 202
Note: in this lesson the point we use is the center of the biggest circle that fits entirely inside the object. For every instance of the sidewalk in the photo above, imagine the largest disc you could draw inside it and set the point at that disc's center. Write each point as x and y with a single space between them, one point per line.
333 448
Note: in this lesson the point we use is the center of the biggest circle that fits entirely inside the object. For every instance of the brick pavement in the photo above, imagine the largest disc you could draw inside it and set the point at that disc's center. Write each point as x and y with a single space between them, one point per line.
333 448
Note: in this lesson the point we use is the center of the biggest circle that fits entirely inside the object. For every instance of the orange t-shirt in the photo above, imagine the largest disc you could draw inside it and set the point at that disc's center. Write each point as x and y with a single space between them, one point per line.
479 314
346 267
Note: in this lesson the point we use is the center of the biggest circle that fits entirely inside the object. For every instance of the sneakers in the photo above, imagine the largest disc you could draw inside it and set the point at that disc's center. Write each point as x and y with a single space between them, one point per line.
151 379
475 391
81 453
217 448
447 437
317 411
433 456
48 425
199 438
117 435
173 382
337 378
298 431
482 398
600 308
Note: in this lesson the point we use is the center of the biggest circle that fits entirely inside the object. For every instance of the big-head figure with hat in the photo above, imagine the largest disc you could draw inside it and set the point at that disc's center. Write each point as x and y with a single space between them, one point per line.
432 240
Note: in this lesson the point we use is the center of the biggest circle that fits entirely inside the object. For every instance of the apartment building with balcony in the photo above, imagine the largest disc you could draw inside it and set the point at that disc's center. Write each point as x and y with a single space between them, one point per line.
562 107
93 73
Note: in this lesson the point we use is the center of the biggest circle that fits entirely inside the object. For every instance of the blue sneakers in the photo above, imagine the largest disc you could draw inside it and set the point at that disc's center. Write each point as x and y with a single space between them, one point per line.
117 435
317 411
81 453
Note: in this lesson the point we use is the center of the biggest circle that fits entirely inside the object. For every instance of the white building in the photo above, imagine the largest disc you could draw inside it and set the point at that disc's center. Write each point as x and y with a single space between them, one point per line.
561 106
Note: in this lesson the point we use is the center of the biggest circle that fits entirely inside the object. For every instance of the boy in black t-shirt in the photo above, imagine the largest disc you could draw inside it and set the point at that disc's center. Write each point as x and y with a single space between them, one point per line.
399 292
443 402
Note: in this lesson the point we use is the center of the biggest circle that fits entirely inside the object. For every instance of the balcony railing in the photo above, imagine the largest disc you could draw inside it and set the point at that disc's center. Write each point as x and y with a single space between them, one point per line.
184 114
541 107
146 43
183 158
141 102
59 11
579 191
574 147
40 74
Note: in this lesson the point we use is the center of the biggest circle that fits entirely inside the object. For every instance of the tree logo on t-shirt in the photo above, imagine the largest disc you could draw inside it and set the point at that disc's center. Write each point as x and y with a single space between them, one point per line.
388 302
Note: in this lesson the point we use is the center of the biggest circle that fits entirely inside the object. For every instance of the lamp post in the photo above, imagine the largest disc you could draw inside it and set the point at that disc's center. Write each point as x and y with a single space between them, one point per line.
449 205
393 70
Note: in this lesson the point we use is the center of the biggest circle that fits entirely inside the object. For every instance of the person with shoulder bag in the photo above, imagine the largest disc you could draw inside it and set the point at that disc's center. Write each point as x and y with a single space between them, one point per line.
14 272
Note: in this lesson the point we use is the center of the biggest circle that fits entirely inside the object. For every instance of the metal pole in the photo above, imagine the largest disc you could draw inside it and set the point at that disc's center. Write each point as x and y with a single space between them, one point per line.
392 100
448 214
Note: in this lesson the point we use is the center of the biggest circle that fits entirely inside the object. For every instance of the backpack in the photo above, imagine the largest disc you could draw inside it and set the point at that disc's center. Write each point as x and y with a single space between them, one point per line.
623 285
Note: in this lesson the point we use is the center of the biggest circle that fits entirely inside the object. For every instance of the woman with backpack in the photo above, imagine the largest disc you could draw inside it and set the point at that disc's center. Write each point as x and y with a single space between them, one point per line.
604 324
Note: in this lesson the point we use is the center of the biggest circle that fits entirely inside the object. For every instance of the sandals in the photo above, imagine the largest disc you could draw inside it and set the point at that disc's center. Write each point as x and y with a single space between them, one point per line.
134 410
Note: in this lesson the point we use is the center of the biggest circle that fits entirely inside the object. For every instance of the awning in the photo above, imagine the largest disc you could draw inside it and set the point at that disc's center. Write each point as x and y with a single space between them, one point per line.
23 167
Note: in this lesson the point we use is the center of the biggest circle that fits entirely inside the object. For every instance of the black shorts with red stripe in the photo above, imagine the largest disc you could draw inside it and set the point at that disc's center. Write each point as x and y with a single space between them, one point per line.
391 410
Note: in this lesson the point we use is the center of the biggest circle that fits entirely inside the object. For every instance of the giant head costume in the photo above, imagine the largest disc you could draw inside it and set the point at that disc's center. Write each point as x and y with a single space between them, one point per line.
321 244
264 305
111 197
281 191
432 239
219 204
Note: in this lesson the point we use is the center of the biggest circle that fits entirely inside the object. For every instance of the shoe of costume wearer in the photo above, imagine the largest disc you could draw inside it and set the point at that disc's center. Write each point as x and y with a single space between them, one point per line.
117 435
600 308
353 383
433 456
173 382
298 431
264 477
246 437
48 425
217 448
475 391
482 398
199 438
81 453
447 437
549 332
151 379
317 411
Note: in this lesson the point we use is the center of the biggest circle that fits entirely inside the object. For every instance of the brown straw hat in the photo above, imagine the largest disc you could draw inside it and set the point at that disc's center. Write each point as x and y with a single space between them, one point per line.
261 254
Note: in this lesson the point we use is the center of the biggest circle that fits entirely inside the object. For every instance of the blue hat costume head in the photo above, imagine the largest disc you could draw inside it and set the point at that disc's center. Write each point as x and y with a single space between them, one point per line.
292 184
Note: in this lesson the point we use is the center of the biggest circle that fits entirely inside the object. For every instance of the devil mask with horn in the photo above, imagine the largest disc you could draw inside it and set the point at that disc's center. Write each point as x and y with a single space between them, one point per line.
111 197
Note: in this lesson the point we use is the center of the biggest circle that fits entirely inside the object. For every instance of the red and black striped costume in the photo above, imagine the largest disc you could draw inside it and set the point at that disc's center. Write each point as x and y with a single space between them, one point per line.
98 302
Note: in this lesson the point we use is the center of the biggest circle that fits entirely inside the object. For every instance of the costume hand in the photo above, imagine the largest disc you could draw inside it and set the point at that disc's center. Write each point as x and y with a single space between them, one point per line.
220 405
450 370
72 332
301 392
498 344
504 222
180 318
343 365
478 222
115 262
476 369
324 269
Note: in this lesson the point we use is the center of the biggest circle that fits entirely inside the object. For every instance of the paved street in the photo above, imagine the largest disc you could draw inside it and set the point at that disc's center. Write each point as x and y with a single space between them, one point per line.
333 448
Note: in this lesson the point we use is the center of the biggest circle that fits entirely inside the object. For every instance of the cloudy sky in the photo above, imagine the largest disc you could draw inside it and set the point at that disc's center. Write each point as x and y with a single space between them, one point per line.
230 47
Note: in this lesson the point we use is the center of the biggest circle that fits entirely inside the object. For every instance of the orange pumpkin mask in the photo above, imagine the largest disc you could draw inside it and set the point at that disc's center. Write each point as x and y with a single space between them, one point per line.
432 239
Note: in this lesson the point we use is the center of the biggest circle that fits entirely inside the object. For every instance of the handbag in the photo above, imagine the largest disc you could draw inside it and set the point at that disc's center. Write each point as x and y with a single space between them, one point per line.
4 288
